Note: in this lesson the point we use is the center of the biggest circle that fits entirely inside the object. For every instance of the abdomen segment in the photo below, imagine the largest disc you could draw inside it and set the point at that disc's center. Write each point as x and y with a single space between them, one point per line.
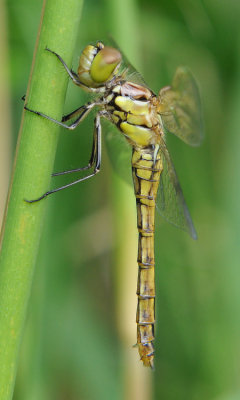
146 175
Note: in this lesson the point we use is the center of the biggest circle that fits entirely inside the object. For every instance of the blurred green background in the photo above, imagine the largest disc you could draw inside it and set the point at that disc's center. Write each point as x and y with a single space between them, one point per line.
75 344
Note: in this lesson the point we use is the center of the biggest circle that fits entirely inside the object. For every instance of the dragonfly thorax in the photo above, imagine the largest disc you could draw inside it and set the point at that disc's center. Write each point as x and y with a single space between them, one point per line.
98 65
132 108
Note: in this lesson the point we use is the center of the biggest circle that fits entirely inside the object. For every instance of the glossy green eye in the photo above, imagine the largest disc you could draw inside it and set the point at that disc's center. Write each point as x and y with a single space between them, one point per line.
104 64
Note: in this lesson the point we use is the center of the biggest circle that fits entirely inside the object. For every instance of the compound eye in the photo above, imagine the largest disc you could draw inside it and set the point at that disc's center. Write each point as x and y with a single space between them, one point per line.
104 64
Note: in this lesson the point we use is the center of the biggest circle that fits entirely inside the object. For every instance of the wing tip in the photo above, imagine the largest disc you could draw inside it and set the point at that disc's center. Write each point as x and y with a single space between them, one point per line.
194 235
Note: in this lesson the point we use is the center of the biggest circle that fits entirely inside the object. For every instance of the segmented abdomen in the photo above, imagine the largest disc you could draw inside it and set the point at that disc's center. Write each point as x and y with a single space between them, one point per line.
146 174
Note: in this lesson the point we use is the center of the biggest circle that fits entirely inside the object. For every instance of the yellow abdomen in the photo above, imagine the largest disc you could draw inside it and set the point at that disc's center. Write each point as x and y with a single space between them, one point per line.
146 175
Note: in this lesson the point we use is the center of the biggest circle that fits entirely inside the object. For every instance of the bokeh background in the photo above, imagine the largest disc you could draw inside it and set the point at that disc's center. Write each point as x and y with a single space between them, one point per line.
81 320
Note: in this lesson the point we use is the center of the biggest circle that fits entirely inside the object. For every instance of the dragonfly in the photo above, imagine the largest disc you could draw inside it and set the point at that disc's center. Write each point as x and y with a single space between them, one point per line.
143 119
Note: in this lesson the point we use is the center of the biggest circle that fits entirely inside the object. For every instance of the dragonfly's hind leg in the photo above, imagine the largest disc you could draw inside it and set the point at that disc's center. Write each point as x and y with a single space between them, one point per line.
95 159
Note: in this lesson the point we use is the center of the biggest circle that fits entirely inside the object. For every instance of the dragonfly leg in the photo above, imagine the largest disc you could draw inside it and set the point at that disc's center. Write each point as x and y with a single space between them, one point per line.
83 111
73 113
96 158
93 157
73 76
79 110
70 73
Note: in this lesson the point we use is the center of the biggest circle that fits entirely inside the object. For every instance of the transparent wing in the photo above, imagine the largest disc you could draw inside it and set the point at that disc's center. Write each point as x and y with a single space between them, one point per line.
170 201
119 151
132 73
181 108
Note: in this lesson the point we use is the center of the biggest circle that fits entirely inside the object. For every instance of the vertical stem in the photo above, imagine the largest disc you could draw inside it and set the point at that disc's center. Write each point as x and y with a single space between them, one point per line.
31 176
5 131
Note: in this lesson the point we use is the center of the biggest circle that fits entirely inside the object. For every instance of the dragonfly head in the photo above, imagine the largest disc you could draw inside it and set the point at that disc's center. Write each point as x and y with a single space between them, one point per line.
98 65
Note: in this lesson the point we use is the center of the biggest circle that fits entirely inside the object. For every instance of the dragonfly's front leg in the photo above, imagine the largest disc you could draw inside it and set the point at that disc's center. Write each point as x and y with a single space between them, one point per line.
71 73
73 76
96 159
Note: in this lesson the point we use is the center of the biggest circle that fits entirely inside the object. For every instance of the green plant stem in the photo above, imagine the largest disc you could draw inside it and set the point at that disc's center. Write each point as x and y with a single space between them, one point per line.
31 177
